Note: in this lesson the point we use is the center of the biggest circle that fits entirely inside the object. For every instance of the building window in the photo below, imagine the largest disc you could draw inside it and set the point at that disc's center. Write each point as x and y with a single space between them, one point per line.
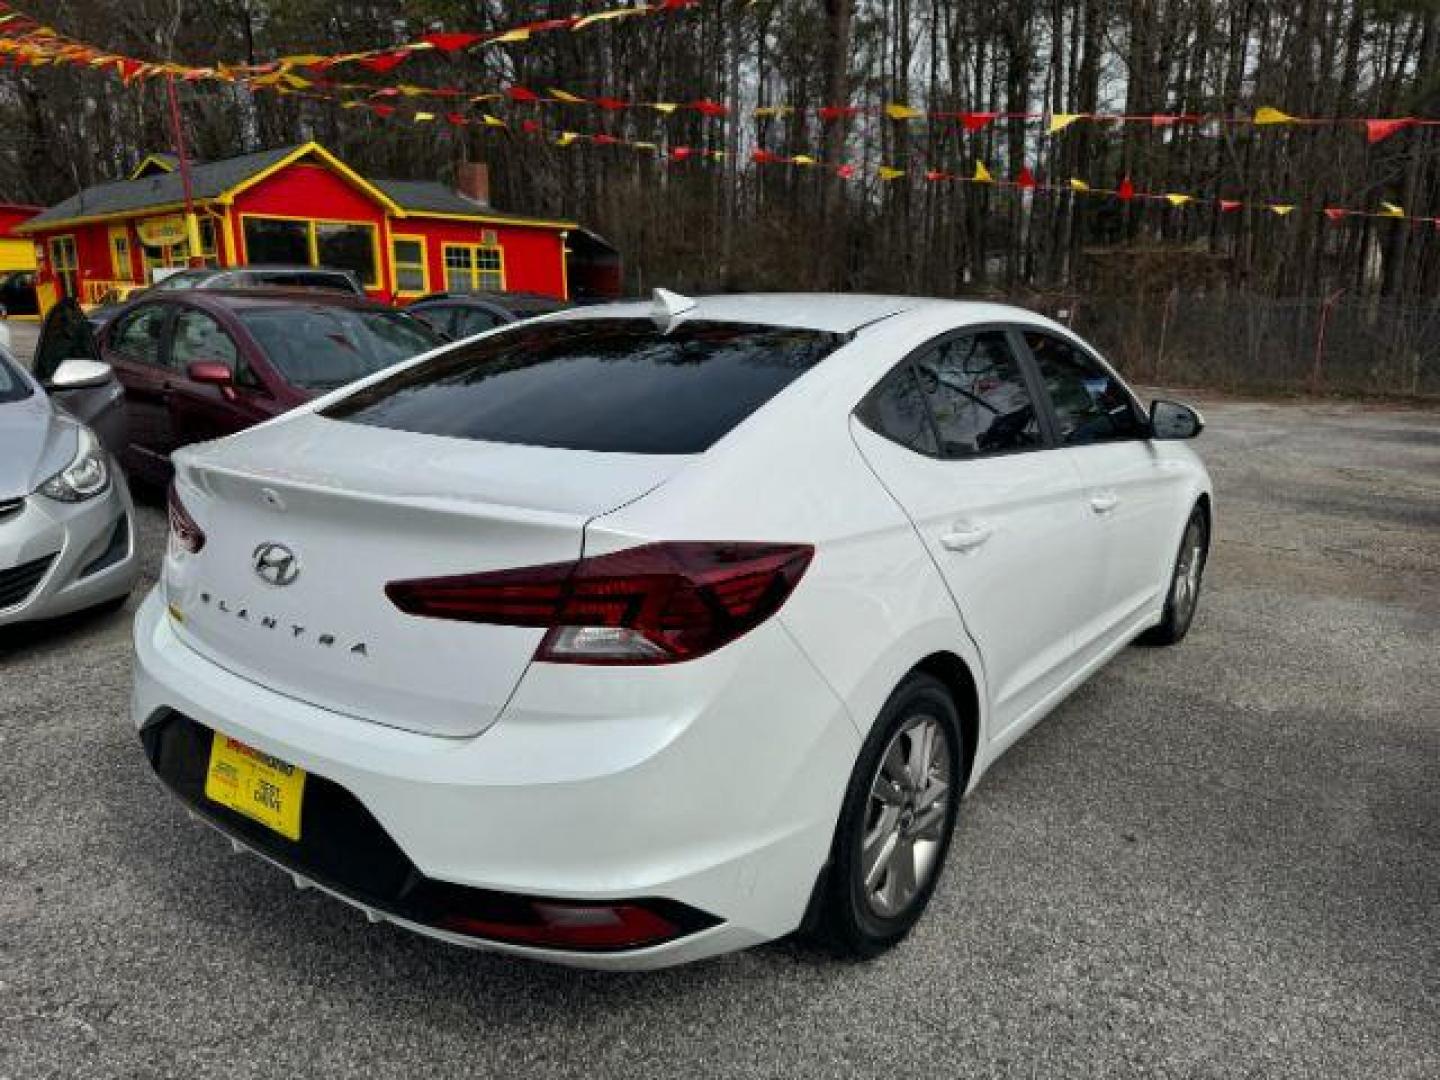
412 275
474 268
343 245
120 265
161 257
65 264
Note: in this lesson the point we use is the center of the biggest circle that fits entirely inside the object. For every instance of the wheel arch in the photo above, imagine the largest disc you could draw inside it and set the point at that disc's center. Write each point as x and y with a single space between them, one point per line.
955 673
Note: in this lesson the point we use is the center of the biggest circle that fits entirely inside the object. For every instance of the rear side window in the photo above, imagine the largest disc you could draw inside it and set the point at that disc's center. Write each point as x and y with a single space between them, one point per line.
137 337
613 385
978 396
325 348
896 409
1091 405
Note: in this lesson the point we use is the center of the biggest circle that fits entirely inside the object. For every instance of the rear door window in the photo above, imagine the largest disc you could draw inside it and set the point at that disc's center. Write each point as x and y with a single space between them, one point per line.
978 396
137 337
613 385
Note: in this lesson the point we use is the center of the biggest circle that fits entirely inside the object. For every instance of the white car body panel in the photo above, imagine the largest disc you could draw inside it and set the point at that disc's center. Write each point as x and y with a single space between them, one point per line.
716 782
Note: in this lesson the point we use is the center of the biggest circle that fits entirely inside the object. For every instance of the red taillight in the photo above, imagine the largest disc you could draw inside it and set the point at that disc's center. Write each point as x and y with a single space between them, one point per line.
183 529
657 604
581 927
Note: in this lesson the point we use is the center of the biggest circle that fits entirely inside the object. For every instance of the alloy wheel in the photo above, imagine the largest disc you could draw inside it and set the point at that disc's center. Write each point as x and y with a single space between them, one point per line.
908 809
1185 592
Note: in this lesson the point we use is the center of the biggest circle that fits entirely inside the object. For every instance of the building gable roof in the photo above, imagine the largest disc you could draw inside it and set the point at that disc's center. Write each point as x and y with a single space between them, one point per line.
208 180
422 197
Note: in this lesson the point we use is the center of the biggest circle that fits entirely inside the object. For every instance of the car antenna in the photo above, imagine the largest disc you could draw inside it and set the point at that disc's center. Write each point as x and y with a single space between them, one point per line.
667 308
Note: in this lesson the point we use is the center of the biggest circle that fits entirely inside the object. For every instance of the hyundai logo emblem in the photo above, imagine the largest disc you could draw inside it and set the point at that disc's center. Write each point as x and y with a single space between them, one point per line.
275 564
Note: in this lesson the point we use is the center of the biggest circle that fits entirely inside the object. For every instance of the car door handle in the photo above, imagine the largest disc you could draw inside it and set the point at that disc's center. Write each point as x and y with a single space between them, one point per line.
1102 502
966 537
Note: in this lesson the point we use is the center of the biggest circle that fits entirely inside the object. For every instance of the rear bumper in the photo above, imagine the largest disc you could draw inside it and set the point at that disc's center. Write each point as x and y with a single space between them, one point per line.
714 785
82 554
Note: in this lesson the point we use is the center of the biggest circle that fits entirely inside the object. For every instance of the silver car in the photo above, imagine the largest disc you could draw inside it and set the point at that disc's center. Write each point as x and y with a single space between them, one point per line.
67 525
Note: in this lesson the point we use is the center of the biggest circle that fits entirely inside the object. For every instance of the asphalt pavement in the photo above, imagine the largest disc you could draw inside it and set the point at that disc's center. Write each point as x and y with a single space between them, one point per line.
1221 859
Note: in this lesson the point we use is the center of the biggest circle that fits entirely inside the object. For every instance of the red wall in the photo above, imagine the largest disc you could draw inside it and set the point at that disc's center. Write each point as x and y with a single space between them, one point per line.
12 214
534 257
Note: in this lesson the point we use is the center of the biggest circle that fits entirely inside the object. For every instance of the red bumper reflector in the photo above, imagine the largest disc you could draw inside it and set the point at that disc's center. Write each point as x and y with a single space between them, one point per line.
573 926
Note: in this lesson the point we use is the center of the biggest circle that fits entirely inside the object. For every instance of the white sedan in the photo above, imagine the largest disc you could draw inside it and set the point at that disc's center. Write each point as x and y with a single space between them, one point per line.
642 633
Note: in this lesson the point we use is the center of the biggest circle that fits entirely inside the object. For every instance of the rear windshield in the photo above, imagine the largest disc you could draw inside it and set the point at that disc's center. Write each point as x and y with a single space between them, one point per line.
13 386
616 385
323 348
299 279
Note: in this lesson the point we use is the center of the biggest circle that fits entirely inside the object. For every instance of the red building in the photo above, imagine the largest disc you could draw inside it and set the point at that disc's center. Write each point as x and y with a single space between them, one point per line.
299 204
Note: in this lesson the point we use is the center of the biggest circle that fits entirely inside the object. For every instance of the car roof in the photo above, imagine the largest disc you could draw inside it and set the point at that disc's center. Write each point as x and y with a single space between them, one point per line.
251 299
839 313
505 301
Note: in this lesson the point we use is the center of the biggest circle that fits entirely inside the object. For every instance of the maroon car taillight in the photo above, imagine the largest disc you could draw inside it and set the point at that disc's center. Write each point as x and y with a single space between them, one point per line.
183 529
657 604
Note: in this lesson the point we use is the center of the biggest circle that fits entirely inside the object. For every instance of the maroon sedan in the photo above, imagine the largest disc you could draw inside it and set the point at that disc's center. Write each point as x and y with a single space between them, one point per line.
198 365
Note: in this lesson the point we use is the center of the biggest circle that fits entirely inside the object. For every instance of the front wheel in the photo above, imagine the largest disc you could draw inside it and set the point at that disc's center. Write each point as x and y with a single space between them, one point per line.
1184 595
896 823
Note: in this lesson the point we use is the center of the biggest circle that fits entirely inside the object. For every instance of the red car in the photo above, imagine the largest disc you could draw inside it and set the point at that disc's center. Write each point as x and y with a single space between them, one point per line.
197 365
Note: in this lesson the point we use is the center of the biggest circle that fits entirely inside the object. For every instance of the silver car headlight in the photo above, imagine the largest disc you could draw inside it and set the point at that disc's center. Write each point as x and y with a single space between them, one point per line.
85 477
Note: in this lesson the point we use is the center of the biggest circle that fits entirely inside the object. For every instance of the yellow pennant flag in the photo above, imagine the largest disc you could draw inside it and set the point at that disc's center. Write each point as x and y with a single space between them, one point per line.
802 159
885 172
304 60
606 16
509 36
1061 120
424 117
1078 185
411 91
766 112
1266 115
492 121
897 111
566 138
566 96
1179 200
643 146
295 82
351 104
982 174
1389 209
1280 209
666 107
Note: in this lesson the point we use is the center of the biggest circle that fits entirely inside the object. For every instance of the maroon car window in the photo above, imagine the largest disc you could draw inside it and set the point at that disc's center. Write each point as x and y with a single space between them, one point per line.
199 337
137 335
324 348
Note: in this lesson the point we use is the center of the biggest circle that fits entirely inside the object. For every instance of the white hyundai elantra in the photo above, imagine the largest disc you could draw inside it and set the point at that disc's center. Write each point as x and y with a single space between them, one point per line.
640 633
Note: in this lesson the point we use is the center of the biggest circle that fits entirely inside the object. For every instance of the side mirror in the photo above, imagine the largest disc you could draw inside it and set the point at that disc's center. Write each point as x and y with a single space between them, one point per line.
211 373
75 374
1172 420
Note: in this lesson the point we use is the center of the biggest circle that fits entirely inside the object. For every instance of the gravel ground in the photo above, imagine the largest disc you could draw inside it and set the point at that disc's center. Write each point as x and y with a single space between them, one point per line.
1216 860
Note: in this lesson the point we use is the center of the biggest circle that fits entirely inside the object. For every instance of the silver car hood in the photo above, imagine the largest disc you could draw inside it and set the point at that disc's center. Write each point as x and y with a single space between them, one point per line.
36 442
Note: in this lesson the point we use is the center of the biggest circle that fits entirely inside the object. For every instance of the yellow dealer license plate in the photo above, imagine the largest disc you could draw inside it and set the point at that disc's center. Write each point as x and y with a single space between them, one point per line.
255 784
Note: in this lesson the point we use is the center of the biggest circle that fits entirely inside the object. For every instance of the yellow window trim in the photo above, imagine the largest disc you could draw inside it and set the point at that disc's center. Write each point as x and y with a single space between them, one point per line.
395 263
475 270
122 269
313 241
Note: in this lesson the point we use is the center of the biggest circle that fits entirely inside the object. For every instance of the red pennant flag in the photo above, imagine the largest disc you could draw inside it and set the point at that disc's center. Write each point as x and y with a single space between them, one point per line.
827 113
977 121
520 93
604 140
1126 191
845 172
936 174
680 153
765 157
1026 179
382 110
1160 120
1375 130
325 63
128 68
610 104
448 43
706 107
386 61
677 5
544 25
530 127
386 92
1227 205
1335 213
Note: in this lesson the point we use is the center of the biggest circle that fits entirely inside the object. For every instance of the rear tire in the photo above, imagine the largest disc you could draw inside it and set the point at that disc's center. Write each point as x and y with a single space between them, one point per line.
1183 596
896 822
